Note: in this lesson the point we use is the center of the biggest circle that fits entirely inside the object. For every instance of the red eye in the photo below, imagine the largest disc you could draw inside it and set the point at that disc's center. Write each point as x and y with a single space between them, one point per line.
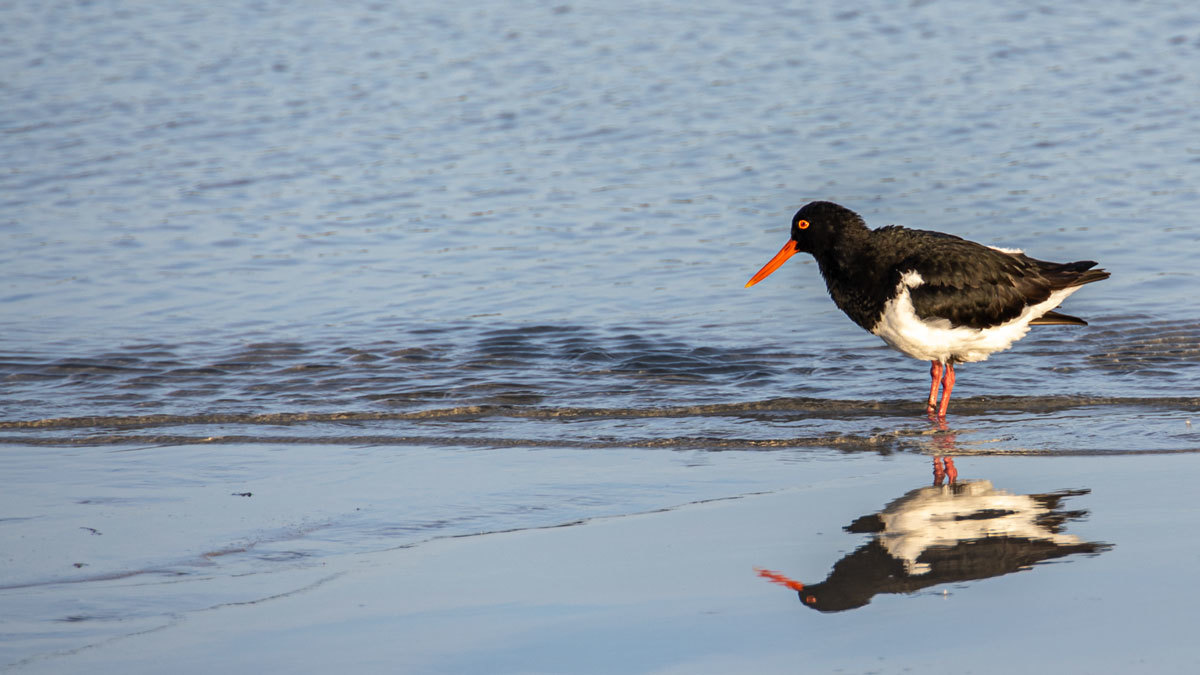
809 599
802 224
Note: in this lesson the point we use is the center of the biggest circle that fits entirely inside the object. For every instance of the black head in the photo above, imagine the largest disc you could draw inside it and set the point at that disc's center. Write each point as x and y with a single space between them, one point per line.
816 228
817 225
825 599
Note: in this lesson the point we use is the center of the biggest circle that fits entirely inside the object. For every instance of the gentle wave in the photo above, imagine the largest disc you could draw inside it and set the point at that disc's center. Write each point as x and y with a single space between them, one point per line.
841 408
982 426
568 365
884 443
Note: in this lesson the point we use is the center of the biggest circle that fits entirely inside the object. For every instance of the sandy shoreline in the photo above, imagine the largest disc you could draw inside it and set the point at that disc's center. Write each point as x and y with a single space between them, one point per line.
676 591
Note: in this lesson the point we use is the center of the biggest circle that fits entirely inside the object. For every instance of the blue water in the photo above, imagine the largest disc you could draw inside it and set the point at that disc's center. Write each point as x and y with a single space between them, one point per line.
487 232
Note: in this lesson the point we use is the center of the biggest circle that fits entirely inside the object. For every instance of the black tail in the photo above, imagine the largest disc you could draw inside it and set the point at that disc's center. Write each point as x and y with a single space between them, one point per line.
1068 275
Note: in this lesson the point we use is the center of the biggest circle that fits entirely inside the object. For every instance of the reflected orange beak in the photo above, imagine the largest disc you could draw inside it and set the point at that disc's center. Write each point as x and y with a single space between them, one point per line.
777 578
788 250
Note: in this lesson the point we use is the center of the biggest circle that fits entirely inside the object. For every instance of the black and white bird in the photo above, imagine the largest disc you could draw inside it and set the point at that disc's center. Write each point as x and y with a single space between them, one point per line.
946 535
932 296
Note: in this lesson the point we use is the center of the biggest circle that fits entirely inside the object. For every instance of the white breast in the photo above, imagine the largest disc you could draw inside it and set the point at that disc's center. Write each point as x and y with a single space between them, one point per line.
936 340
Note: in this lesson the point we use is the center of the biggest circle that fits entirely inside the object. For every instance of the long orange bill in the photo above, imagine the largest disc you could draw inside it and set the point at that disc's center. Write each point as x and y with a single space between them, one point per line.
777 578
788 250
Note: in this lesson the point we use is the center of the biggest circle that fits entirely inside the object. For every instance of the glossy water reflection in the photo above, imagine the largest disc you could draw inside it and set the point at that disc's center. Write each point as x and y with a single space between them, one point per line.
946 534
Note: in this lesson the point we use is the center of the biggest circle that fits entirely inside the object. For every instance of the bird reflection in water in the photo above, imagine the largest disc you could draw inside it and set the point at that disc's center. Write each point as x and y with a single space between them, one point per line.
945 534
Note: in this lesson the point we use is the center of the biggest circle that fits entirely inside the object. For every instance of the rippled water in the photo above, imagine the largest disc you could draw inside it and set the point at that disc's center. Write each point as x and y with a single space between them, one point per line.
242 241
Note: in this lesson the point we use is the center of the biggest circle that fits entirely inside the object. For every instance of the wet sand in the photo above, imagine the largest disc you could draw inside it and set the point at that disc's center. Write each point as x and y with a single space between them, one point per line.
676 590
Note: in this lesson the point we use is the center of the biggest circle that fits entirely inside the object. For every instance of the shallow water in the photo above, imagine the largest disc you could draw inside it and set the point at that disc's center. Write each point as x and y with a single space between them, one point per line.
481 266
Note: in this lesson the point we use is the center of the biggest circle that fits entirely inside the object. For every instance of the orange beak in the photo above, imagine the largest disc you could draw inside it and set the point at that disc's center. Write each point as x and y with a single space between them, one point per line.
777 578
788 250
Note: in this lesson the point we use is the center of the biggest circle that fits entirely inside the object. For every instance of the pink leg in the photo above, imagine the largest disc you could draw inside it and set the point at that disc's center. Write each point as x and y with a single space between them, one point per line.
947 387
935 374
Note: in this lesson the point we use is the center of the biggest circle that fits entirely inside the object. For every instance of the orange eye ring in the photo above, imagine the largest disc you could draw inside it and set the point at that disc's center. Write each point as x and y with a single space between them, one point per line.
802 224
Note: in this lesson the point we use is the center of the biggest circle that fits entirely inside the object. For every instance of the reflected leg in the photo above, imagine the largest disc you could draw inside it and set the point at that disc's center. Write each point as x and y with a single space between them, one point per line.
944 469
943 464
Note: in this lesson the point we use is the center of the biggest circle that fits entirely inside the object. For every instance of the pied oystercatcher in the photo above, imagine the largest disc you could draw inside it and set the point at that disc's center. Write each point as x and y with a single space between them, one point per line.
932 296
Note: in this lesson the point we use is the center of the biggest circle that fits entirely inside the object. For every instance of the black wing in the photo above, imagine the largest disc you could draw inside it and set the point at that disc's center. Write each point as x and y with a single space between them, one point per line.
973 285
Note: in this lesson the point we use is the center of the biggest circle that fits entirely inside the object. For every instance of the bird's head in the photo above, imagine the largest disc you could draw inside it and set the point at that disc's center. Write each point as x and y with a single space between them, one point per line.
815 229
822 597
